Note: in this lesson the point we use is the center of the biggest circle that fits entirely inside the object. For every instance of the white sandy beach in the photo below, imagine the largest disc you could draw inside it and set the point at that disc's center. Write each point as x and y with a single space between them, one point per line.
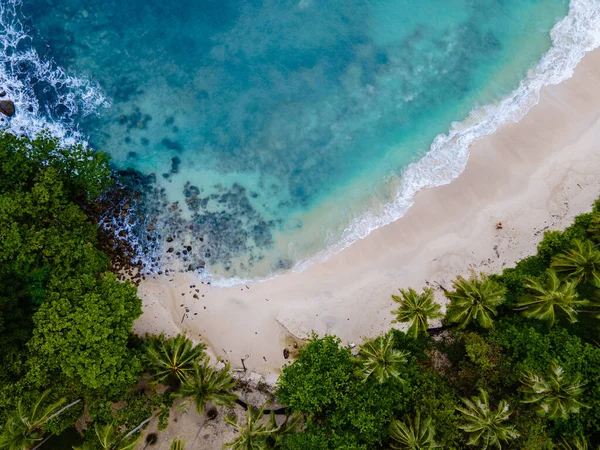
532 176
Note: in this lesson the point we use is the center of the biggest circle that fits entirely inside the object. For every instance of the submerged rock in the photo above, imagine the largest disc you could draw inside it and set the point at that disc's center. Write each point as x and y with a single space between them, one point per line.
7 107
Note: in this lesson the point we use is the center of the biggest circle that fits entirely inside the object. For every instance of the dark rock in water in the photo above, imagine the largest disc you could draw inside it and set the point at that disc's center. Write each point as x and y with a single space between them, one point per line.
166 176
30 108
132 155
169 239
2 93
7 107
171 145
175 163
144 141
170 250
169 121
128 140
286 353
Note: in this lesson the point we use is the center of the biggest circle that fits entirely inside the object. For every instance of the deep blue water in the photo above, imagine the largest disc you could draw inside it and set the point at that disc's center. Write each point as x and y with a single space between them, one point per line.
274 124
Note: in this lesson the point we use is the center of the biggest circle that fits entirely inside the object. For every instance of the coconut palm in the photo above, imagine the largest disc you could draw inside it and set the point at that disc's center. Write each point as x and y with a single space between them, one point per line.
475 299
486 427
177 444
172 359
581 263
413 434
208 384
545 299
576 443
107 437
24 427
417 309
378 358
258 434
555 394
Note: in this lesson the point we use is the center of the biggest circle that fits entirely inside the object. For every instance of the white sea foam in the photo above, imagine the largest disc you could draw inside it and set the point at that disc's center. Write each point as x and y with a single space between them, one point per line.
572 37
21 66
575 35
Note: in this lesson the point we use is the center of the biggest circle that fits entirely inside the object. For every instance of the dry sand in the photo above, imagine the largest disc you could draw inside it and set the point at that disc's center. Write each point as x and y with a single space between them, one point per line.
532 176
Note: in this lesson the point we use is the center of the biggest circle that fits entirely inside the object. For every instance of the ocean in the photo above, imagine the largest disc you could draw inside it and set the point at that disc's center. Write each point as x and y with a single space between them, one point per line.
272 134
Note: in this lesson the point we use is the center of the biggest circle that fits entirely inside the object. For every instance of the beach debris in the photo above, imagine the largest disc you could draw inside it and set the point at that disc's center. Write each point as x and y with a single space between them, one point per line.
286 353
7 107
499 226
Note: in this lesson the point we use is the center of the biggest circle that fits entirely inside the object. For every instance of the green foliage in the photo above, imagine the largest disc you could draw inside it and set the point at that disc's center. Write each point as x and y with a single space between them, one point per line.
417 309
172 360
555 394
259 434
85 171
549 299
25 426
341 409
576 443
485 425
379 359
69 337
108 437
474 300
208 384
413 434
64 322
431 395
581 263
318 379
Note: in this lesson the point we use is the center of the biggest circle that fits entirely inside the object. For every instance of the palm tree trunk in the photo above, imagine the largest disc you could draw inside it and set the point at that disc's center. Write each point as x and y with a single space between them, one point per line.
437 330
42 443
138 427
60 411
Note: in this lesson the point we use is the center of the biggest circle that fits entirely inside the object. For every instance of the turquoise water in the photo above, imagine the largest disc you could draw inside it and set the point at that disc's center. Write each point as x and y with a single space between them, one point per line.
273 124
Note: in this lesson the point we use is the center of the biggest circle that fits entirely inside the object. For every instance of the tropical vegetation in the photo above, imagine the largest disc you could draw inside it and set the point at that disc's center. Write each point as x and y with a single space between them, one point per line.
515 363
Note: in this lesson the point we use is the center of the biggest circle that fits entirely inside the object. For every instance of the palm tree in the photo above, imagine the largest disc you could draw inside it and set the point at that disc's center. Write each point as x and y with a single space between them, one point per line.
207 384
581 263
417 309
474 300
413 434
177 444
548 297
555 394
486 427
172 359
257 434
378 358
109 438
576 443
23 428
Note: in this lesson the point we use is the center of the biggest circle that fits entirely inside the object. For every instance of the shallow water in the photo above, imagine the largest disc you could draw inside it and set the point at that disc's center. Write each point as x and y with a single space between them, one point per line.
274 124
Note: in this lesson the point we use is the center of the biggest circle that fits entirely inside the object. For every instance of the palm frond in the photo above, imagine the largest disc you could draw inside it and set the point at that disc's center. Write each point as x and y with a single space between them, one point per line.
417 309
208 384
377 358
556 395
474 300
548 299
172 358
486 426
413 434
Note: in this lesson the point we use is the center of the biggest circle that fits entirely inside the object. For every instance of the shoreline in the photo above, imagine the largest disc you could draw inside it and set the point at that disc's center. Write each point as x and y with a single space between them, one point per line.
532 176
